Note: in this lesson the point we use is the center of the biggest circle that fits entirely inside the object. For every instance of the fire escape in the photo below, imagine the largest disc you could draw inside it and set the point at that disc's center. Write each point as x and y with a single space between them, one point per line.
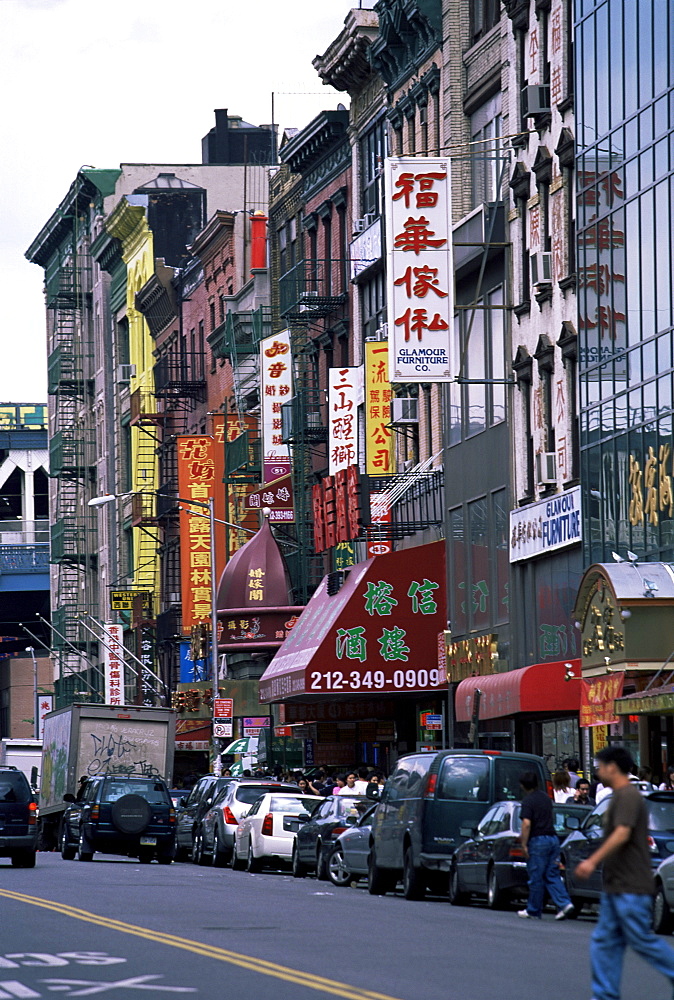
68 295
307 294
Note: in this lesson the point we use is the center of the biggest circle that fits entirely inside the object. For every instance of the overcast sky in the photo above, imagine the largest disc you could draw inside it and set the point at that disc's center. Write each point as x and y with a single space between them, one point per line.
89 82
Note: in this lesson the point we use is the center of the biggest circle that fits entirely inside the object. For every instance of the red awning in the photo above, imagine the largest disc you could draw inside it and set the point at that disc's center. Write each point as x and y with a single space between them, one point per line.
378 634
538 688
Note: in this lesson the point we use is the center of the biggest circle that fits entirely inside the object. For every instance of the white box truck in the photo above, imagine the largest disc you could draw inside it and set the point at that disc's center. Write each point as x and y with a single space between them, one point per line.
24 754
85 740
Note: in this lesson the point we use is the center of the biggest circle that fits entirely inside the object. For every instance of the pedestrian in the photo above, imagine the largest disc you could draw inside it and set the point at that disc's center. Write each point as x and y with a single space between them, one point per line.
561 785
626 908
668 784
340 783
572 765
581 794
303 786
540 845
350 785
360 785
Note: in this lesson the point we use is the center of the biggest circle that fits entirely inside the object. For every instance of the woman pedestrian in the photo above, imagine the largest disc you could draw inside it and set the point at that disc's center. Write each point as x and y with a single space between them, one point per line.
561 786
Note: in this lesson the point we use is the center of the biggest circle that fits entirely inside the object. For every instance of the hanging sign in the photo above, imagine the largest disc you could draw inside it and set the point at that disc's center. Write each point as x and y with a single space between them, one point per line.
196 481
597 699
379 452
345 389
276 381
420 270
113 664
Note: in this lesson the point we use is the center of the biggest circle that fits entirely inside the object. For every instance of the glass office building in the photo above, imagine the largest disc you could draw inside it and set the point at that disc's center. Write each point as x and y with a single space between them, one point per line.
624 58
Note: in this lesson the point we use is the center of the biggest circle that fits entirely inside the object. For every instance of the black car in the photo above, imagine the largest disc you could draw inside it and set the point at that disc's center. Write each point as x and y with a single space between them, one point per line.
316 835
491 862
120 814
351 851
587 836
426 803
18 818
193 807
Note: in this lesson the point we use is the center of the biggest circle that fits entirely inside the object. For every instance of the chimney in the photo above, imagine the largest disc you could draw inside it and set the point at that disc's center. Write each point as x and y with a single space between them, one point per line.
258 241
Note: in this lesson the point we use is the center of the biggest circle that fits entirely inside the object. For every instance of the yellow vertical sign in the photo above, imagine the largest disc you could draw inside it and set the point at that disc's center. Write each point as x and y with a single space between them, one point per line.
378 394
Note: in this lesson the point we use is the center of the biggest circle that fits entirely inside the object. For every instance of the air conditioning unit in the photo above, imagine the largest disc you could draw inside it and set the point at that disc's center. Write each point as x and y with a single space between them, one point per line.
541 268
546 467
382 332
535 101
125 373
308 306
360 225
405 410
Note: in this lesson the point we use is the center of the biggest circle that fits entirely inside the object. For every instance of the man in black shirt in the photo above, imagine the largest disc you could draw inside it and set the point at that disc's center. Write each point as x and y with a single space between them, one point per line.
541 849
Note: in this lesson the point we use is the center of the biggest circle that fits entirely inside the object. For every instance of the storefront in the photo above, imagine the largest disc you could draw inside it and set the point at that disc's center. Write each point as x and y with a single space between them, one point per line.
362 673
533 709
624 613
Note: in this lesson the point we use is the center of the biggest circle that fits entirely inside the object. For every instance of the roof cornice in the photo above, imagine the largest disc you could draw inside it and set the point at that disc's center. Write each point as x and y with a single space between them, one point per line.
345 65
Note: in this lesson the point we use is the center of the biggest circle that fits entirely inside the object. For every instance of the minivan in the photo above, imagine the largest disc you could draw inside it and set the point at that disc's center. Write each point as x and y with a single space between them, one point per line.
430 805
18 818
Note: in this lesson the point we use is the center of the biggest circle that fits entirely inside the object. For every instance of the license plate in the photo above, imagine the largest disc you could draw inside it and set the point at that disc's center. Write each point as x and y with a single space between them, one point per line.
148 841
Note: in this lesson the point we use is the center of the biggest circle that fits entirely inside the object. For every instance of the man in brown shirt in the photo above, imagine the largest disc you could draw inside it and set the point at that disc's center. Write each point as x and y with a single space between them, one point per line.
626 911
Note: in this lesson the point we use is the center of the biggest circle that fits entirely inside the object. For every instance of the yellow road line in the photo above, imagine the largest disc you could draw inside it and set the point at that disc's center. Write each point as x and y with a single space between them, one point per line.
259 965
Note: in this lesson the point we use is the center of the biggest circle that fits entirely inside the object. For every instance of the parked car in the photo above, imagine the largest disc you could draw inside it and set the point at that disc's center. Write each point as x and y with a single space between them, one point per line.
193 807
351 851
586 836
120 814
491 862
18 818
663 904
427 801
315 838
265 833
214 840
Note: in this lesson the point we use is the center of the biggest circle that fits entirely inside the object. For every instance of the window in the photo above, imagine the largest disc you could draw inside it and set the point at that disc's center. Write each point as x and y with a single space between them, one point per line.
423 127
464 779
480 344
484 14
480 601
485 133
373 305
507 777
211 307
372 152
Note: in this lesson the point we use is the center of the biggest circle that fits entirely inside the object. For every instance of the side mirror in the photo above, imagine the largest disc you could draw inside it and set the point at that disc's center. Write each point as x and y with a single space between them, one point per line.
351 820
468 832
373 792
572 822
33 778
69 797
304 817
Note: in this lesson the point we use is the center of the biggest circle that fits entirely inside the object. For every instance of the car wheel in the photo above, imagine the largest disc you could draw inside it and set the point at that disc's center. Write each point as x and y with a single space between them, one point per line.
145 857
322 873
84 852
338 873
414 879
220 856
68 852
299 869
495 896
662 915
457 896
379 880
182 854
164 859
253 864
236 861
23 859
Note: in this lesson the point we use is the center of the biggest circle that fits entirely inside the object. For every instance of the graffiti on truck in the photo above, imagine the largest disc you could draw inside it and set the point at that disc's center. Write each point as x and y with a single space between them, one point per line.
119 755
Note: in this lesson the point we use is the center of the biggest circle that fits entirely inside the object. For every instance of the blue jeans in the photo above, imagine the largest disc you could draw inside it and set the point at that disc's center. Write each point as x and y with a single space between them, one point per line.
543 871
625 919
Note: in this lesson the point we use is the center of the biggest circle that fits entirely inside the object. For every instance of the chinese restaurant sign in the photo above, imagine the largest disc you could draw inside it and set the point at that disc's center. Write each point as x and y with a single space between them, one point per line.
546 525
656 480
113 664
277 495
378 436
196 480
597 699
378 633
345 389
276 386
420 272
335 505
471 657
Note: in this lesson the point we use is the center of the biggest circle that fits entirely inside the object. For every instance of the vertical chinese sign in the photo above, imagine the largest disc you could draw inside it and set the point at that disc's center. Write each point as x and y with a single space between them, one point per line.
276 382
379 441
113 664
196 480
420 272
345 388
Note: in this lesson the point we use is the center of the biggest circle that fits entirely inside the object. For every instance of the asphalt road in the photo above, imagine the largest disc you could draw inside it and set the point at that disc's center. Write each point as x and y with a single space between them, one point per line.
120 929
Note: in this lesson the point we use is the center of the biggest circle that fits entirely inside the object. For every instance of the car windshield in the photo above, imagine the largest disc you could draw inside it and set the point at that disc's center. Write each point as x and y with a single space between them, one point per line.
151 791
14 787
251 793
293 806
660 816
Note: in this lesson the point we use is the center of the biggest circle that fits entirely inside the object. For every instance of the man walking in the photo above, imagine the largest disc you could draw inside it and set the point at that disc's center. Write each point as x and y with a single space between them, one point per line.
541 849
626 910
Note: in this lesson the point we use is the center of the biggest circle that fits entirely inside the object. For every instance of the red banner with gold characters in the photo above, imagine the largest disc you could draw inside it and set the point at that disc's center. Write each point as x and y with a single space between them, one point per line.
597 699
196 481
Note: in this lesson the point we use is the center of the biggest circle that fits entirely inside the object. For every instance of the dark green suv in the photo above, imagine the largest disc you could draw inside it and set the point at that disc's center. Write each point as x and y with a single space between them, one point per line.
120 814
18 818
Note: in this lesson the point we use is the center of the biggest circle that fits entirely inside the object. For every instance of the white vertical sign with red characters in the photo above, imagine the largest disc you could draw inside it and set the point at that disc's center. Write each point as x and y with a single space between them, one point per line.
420 271
276 382
345 392
113 664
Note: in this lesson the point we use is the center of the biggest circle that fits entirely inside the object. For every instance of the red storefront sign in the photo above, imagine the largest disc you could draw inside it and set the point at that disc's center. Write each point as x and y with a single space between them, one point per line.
597 700
336 508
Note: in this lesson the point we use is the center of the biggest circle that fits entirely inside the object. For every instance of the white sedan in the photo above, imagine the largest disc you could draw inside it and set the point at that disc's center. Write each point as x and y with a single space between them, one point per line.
267 830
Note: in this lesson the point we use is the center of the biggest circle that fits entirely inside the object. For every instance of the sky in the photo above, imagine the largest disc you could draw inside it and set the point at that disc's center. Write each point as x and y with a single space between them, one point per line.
84 82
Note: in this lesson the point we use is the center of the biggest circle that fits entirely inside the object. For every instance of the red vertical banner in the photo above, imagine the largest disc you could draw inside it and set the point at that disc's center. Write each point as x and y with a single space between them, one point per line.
220 500
196 481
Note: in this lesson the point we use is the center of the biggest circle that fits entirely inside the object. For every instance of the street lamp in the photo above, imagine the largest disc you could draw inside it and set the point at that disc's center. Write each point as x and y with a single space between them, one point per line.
109 497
